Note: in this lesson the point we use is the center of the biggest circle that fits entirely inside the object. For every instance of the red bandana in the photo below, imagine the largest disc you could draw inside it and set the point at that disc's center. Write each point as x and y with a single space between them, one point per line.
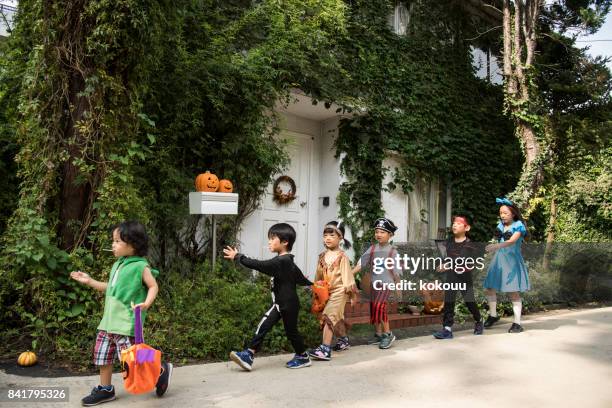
462 220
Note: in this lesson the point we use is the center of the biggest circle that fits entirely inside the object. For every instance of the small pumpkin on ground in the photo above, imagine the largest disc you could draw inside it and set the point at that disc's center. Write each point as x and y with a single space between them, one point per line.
27 358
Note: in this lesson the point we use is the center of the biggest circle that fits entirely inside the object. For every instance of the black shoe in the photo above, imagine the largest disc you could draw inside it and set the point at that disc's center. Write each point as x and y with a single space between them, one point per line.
444 334
491 321
515 328
164 379
98 396
478 328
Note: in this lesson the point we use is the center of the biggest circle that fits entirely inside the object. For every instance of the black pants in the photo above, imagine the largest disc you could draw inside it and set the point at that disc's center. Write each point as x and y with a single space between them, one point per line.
290 320
450 297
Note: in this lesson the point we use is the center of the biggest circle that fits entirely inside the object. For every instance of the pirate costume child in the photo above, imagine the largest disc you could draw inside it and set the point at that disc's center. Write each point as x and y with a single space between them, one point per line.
376 278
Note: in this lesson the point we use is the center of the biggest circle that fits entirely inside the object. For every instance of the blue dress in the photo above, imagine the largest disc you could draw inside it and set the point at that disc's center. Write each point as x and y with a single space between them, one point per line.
508 272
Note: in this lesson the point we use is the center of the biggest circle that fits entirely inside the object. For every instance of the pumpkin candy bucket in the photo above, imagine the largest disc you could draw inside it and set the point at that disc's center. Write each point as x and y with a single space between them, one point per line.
433 301
320 296
141 363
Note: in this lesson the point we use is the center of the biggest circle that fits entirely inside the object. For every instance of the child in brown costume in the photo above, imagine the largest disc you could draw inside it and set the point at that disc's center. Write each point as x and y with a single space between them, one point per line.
334 267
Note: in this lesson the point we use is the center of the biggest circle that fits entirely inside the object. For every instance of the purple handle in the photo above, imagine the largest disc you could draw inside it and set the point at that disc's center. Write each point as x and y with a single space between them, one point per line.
138 326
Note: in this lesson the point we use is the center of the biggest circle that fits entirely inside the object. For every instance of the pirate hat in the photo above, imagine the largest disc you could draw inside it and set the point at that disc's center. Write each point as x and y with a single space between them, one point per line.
385 224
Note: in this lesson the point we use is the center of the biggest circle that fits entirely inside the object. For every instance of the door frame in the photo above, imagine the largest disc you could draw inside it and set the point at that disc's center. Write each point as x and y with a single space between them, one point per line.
311 230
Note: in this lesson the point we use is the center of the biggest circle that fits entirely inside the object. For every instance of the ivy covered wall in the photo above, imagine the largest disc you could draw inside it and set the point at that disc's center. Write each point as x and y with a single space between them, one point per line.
424 103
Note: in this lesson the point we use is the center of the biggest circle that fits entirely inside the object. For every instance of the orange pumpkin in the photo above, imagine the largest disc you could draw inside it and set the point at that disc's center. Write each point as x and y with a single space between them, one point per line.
206 182
226 186
26 359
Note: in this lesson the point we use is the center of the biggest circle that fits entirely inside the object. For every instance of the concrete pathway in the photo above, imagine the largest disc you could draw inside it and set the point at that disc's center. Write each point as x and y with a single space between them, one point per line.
563 359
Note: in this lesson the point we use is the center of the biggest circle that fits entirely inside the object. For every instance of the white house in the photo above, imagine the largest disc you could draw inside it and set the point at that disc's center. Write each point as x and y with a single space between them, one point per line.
310 131
421 215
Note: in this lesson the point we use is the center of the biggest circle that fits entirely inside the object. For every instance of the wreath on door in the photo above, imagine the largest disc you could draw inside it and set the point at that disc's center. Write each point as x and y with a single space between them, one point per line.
284 197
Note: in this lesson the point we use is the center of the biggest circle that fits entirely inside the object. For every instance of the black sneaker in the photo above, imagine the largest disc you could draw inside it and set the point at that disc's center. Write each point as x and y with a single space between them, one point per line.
491 321
98 396
478 327
443 334
515 328
164 379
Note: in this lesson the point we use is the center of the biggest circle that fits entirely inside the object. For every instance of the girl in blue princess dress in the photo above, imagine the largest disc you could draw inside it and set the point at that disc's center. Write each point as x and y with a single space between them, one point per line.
507 272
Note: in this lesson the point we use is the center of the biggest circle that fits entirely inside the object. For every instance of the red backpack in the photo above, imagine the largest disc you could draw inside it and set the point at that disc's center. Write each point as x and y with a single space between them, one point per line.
141 364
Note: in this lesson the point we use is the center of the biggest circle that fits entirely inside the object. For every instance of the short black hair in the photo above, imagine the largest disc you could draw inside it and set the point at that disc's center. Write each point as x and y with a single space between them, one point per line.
134 233
284 232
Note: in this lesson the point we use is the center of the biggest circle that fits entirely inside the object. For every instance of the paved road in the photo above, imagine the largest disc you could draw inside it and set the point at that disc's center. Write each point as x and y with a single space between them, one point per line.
563 359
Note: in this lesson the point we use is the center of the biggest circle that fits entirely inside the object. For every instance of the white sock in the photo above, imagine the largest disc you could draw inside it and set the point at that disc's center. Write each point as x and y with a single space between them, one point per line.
448 328
517 307
492 301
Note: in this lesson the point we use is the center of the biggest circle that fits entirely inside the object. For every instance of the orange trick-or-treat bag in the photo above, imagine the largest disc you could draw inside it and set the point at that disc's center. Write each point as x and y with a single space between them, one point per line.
141 363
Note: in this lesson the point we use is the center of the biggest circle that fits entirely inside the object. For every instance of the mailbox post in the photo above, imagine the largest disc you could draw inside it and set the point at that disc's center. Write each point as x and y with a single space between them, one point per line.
208 203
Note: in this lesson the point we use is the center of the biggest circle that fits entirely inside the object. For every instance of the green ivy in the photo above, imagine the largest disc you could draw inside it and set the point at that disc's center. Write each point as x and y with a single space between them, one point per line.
423 102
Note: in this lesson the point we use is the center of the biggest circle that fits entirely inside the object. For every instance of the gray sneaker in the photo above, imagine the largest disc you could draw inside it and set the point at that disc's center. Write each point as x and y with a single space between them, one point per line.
386 340
375 339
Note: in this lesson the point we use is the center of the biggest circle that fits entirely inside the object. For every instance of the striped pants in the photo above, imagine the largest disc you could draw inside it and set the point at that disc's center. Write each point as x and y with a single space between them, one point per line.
378 306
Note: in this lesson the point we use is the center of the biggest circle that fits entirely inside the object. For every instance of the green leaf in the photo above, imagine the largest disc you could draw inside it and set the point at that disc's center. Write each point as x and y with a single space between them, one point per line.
76 309
52 263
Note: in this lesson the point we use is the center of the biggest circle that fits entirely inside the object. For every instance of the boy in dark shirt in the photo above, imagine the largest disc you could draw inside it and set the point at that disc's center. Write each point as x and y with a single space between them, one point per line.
459 246
284 276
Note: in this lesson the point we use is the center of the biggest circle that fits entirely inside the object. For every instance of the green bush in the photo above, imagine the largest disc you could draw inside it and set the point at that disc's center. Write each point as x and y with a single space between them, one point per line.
202 318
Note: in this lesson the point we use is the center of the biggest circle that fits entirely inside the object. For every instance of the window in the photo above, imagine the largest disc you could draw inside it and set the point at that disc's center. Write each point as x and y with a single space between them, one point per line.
486 65
400 18
438 209
7 12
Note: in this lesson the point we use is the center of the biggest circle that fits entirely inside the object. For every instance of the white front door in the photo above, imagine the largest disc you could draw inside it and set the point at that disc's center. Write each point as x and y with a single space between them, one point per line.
294 213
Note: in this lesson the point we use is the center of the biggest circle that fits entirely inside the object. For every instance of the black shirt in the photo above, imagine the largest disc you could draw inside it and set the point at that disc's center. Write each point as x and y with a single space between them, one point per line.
464 249
284 276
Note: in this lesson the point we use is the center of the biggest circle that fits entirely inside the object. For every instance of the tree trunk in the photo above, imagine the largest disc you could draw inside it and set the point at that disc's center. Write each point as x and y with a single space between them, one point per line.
519 22
532 174
75 187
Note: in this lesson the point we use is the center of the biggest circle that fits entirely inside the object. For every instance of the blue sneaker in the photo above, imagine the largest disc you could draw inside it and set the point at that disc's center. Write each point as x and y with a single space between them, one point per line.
299 361
243 358
443 335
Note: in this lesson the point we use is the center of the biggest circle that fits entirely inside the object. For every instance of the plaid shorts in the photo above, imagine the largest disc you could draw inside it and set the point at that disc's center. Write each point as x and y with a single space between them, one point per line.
109 345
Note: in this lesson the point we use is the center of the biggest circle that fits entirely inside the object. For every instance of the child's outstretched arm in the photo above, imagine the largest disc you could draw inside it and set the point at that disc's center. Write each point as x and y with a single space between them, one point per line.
269 267
87 280
151 283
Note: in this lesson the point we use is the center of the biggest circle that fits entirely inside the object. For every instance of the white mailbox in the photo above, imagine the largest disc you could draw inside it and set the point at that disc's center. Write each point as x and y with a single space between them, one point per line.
213 203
